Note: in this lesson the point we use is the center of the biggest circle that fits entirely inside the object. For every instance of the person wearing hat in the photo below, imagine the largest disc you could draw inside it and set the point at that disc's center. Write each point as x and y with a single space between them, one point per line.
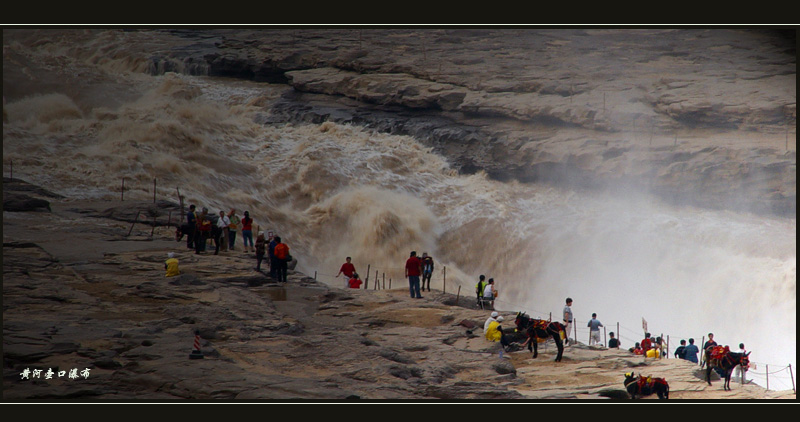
495 333
489 320
171 265
261 249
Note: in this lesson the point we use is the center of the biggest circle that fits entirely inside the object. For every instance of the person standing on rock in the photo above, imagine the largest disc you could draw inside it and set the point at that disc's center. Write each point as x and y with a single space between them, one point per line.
282 259
479 289
613 342
261 250
223 223
273 263
191 227
567 319
247 232
413 271
203 231
690 351
234 225
427 270
171 265
594 330
348 269
490 293
679 352
647 343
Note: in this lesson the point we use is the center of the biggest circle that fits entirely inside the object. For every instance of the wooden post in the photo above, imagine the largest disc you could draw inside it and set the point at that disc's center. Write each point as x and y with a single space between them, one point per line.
383 286
134 222
767 369
315 275
390 283
791 375
169 218
444 279
122 191
366 281
590 336
667 346
154 190
702 352
575 325
376 281
458 294
604 336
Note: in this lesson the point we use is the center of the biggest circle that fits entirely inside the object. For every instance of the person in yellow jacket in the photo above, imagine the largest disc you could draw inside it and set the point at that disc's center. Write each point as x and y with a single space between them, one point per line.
495 333
171 265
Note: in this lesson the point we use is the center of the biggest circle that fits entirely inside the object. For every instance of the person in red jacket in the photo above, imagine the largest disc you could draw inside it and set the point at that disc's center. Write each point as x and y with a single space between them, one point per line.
348 269
413 271
282 258
646 344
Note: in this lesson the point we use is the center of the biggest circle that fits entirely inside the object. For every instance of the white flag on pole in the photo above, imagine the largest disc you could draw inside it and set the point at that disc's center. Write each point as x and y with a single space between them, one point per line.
644 324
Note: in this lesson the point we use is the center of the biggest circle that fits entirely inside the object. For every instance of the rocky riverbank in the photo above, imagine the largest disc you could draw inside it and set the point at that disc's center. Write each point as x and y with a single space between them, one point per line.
84 289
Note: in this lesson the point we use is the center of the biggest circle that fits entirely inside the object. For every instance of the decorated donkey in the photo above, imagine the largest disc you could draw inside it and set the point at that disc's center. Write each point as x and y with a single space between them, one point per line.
721 357
536 329
644 386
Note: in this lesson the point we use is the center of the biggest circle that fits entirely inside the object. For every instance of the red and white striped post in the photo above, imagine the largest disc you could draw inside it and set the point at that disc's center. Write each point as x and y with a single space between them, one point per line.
196 353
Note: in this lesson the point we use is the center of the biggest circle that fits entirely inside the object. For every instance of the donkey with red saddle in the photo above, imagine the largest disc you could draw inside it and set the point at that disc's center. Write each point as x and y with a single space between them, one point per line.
536 329
644 386
721 357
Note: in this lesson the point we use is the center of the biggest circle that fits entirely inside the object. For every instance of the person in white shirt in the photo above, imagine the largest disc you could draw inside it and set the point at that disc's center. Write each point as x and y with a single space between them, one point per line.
490 293
567 319
223 223
489 321
738 374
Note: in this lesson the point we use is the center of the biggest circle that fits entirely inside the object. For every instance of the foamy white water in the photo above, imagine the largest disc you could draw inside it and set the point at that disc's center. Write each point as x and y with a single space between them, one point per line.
333 191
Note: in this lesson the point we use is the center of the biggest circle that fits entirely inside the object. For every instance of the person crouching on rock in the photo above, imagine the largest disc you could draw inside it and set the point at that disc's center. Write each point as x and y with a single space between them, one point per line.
354 282
171 265
495 333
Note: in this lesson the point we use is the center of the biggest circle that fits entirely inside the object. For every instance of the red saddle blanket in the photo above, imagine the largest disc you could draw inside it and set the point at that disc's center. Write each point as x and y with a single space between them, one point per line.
650 381
719 352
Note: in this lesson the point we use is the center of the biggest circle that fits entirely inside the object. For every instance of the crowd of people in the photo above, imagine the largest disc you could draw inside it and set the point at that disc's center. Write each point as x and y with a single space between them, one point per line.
647 347
202 227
